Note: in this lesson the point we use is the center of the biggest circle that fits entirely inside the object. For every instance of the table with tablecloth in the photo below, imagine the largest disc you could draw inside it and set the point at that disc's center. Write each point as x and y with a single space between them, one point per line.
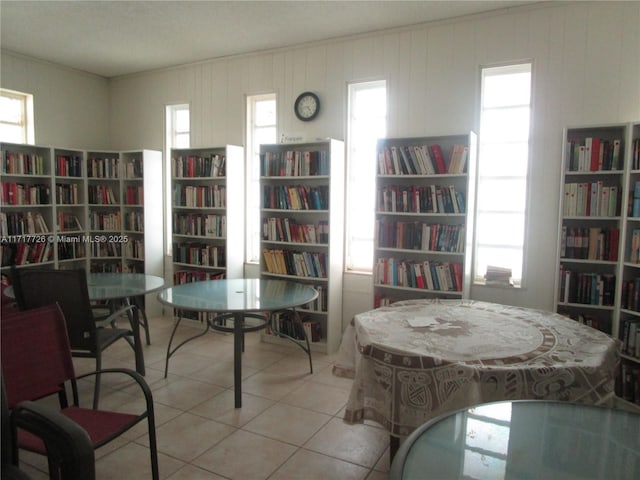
417 359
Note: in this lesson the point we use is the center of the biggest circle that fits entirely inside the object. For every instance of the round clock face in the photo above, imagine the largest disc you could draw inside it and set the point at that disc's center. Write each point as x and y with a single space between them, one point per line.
307 106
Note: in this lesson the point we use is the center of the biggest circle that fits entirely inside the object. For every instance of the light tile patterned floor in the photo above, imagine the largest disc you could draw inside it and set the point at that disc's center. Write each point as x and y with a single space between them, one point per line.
289 427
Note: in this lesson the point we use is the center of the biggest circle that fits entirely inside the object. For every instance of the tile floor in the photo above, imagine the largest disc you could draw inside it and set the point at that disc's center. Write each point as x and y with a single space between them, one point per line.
289 427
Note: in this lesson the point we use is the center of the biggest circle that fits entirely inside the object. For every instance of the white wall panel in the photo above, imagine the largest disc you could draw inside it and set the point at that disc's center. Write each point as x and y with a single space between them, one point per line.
71 108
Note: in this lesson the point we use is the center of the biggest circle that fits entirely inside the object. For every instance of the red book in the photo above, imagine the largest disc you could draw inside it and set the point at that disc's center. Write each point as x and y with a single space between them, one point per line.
437 154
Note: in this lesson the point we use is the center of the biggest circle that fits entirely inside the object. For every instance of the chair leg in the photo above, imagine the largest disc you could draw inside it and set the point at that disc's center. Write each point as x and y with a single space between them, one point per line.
96 388
153 449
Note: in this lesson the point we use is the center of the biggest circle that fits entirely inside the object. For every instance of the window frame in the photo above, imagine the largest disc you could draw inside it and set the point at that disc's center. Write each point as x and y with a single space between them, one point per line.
352 88
522 66
171 110
26 122
252 164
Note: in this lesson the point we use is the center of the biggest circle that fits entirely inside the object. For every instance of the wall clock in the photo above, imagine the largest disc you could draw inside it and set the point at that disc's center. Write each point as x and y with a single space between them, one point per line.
307 106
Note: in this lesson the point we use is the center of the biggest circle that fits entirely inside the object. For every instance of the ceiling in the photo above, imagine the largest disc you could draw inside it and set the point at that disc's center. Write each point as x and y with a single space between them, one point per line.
112 38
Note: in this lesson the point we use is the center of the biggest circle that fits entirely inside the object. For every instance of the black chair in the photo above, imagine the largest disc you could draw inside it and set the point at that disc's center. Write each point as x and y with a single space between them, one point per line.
37 363
70 453
35 288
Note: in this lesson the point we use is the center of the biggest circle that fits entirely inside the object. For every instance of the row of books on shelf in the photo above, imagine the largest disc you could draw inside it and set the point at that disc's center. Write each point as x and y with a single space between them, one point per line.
294 163
204 225
25 253
592 243
420 199
635 154
68 222
321 303
105 221
134 195
421 160
106 249
628 386
134 221
198 196
278 229
192 166
633 206
630 295
22 163
380 300
71 250
423 236
103 167
295 197
188 276
134 249
593 154
301 264
20 223
630 337
599 323
102 195
68 166
426 275
67 194
586 288
634 254
12 193
199 254
590 199
134 168
286 324
115 267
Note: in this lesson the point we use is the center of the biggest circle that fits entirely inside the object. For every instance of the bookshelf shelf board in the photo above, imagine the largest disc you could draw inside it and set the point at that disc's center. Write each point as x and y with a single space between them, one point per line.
586 305
296 244
423 252
411 289
587 261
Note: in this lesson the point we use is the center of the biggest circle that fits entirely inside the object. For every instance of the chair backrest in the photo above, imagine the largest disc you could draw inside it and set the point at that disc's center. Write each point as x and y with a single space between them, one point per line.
67 288
36 357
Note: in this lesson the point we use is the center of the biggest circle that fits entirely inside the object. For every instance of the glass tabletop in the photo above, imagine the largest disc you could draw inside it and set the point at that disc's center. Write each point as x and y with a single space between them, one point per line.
238 295
525 440
109 286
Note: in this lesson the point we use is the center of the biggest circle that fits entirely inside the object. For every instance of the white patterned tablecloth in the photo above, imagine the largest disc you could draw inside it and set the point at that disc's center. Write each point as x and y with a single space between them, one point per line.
418 359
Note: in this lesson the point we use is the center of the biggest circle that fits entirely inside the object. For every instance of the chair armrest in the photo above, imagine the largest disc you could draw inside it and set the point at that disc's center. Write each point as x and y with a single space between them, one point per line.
69 448
139 379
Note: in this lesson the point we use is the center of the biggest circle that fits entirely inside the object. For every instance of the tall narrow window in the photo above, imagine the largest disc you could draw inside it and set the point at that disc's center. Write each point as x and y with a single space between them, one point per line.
261 129
16 117
177 135
367 121
502 174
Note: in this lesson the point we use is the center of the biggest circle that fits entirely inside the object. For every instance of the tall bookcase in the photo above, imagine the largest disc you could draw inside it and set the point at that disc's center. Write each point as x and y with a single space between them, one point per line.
628 321
302 215
599 237
207 214
425 190
71 207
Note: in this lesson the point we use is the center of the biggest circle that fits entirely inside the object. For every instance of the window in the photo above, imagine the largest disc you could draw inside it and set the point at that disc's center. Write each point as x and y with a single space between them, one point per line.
177 135
261 129
16 117
367 121
502 172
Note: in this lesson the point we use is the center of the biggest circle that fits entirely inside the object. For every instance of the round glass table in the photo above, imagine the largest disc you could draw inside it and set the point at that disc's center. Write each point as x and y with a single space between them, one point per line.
528 439
240 305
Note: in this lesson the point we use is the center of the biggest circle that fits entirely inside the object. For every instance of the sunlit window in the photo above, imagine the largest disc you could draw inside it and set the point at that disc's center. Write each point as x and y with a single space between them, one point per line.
502 174
177 135
367 121
261 130
16 117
